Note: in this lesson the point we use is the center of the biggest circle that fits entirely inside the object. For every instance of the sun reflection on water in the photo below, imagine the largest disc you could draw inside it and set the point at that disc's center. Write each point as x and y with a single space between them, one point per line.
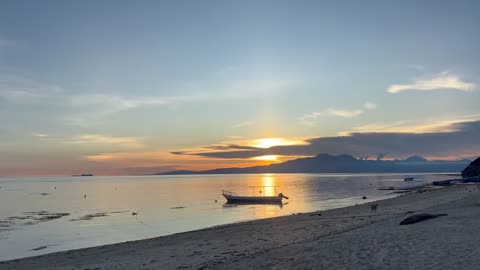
268 182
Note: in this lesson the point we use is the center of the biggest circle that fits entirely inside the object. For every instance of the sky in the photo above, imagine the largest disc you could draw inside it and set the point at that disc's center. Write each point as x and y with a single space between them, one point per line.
138 87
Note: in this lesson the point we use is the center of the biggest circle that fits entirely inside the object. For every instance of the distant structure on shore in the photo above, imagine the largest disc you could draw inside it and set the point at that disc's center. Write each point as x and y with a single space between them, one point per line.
326 163
83 174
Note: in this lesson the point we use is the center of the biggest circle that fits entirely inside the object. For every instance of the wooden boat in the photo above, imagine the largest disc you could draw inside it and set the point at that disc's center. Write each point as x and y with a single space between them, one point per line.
233 197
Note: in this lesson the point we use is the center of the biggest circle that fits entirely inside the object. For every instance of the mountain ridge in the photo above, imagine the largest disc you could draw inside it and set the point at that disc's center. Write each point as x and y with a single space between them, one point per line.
326 163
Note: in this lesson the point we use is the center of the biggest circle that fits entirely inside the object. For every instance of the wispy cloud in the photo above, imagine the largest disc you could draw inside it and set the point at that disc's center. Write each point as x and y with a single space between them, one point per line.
344 113
310 119
415 127
94 107
18 88
441 81
416 67
97 139
244 124
369 105
40 135
111 103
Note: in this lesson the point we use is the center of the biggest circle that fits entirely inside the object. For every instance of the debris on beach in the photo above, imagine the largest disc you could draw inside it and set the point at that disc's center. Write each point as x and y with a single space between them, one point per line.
43 216
41 193
39 248
119 212
29 218
90 216
420 217
97 215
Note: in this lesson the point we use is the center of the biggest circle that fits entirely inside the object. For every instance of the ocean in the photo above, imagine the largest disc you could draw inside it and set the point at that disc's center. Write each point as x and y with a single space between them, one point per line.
49 214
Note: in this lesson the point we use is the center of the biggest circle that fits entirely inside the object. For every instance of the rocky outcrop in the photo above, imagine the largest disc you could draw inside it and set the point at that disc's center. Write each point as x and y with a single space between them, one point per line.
419 217
472 170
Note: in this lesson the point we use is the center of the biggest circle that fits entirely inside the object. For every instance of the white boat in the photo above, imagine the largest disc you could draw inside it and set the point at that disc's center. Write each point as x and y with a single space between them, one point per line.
408 178
233 197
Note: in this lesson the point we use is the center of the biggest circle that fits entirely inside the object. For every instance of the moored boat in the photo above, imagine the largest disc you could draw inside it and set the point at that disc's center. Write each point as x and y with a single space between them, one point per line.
408 178
233 197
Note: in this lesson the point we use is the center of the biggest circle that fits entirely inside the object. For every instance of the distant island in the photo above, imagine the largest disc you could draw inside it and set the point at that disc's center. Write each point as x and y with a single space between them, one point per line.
83 174
326 163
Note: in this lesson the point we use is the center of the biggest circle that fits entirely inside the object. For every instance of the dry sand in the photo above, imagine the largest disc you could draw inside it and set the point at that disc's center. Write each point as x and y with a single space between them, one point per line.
345 238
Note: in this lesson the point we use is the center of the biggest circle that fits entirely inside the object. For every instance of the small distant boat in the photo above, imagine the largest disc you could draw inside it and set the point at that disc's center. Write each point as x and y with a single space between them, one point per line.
83 174
408 178
233 197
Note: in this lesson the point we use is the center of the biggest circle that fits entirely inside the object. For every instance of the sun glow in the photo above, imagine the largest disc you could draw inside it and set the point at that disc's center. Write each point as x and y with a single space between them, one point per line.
270 142
267 158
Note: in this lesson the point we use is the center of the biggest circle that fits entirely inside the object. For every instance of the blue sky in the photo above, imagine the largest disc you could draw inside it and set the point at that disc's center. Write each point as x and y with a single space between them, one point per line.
115 86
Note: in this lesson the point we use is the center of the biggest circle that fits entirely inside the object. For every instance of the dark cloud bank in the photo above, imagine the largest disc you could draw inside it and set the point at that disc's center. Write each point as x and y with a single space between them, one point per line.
463 141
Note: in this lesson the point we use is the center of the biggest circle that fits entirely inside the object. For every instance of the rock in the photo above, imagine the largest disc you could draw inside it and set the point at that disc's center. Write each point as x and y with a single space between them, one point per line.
419 217
472 170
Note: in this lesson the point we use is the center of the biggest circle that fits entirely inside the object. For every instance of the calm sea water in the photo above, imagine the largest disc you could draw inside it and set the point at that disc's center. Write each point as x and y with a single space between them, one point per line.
100 208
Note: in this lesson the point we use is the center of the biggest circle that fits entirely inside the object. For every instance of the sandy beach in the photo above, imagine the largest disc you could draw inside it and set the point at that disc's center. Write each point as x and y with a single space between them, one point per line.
344 238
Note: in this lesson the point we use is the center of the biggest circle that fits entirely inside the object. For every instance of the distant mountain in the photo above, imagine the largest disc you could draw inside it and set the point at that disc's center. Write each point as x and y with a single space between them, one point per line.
326 163
416 159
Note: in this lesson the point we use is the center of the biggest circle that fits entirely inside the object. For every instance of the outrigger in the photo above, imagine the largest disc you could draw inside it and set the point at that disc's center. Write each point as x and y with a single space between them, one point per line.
233 197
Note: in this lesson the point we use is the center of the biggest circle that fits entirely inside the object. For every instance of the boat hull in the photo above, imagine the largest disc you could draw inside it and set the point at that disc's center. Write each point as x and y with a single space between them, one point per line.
253 199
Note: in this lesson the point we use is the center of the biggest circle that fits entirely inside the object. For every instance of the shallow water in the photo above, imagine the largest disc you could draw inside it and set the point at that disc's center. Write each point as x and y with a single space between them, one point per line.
44 215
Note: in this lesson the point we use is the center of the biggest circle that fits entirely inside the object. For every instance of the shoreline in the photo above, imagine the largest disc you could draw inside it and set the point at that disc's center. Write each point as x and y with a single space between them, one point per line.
252 243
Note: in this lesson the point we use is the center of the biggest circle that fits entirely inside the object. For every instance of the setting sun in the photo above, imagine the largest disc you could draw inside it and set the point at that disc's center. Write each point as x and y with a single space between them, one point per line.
270 142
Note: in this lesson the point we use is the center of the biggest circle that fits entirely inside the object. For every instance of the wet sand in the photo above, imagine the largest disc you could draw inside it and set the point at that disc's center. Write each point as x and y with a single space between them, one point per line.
344 238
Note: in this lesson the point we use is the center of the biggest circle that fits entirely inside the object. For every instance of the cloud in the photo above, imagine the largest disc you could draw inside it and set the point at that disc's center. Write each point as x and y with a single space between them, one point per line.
344 113
243 124
443 80
310 119
111 103
369 105
416 67
40 135
19 88
92 107
97 139
458 139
